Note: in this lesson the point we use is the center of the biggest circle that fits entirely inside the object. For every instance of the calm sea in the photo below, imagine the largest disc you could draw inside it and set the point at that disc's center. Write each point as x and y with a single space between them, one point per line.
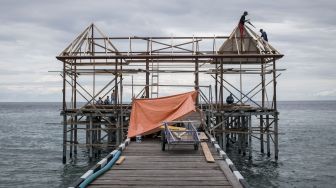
31 148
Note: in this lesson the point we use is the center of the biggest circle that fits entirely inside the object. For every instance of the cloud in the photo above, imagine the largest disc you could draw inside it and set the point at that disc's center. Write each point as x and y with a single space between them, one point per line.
327 93
32 33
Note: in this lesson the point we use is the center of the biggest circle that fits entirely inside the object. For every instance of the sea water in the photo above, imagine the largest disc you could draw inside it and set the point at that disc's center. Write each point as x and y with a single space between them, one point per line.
31 148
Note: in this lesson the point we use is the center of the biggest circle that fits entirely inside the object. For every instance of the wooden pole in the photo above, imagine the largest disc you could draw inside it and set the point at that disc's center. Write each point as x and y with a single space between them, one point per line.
250 136
92 133
71 137
196 79
268 140
244 127
72 118
147 73
262 105
75 107
99 133
90 137
216 83
132 87
239 124
224 134
276 152
94 67
121 102
117 132
64 117
221 85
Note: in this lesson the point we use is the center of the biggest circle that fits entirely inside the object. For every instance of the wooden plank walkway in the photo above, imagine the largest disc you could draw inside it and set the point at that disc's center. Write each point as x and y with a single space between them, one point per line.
146 165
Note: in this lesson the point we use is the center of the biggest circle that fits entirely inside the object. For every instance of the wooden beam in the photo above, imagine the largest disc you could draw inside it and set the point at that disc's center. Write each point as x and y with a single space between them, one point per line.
203 136
120 160
166 56
208 156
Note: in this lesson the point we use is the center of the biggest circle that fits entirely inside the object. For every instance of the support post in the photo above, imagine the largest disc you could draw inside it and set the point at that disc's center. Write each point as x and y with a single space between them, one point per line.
75 107
216 83
121 102
147 73
224 133
244 127
268 136
263 106
71 137
250 136
117 125
276 149
99 134
196 79
221 84
239 126
90 137
261 134
64 117
64 137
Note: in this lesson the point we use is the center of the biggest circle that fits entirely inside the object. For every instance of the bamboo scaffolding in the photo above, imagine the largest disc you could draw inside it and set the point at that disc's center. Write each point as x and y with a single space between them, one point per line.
96 54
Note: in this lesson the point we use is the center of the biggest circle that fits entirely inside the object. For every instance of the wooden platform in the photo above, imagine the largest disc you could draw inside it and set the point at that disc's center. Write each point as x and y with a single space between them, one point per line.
146 165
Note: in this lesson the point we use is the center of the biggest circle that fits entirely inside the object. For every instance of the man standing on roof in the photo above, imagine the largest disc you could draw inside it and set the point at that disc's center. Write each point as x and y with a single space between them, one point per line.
241 23
263 35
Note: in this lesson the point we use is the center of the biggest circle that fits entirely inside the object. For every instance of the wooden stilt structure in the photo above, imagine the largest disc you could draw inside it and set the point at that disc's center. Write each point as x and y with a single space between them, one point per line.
96 126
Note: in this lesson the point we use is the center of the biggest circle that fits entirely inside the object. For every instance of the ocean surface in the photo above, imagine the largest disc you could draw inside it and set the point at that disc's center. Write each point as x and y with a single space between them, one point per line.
31 148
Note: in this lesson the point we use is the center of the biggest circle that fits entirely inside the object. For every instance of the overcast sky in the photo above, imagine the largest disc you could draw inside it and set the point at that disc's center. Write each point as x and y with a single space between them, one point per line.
32 33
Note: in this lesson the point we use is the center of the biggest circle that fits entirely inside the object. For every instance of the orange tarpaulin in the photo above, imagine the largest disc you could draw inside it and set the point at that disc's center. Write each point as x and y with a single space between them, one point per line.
148 114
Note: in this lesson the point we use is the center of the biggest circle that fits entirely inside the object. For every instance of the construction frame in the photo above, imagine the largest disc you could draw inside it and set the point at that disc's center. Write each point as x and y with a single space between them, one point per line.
95 64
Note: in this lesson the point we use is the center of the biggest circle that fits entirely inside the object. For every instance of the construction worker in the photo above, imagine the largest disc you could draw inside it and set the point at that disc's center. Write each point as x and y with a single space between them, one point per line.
263 35
107 101
100 101
113 98
242 22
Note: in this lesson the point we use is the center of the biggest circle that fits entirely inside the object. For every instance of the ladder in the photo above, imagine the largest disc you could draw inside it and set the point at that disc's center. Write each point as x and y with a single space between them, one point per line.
155 79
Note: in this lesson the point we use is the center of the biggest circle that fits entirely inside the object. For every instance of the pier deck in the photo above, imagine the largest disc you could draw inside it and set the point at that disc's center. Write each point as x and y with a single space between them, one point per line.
146 165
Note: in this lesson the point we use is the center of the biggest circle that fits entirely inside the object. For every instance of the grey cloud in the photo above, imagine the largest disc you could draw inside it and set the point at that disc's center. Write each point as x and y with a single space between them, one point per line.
32 33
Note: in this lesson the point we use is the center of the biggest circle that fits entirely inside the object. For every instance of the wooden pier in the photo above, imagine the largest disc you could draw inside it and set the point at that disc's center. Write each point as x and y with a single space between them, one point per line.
146 165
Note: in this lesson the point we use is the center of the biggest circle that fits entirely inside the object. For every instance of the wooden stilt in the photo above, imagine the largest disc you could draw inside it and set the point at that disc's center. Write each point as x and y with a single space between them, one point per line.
90 135
250 136
239 136
262 105
223 135
261 135
99 140
244 128
71 137
117 65
276 149
75 107
64 137
268 139
75 136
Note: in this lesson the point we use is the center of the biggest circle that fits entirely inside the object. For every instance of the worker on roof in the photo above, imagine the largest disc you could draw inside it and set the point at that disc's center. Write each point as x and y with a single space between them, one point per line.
242 22
263 35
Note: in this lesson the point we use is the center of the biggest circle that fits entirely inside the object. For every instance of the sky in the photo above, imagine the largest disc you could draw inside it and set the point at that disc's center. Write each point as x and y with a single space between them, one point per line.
32 33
